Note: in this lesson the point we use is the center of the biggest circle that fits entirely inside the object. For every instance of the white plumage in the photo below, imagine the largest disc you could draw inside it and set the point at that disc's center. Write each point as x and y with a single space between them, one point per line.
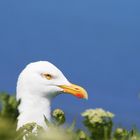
37 85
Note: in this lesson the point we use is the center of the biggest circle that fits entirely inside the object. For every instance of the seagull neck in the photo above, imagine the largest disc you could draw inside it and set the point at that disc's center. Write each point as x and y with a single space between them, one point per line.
33 109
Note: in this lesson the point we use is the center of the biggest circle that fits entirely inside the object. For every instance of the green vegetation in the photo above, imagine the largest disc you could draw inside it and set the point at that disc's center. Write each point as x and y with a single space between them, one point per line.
98 122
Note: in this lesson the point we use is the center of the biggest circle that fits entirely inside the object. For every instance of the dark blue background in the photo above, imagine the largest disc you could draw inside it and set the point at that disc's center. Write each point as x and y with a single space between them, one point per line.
95 43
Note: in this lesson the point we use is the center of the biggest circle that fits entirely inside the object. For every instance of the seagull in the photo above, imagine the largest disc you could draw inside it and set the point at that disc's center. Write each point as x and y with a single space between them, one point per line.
37 85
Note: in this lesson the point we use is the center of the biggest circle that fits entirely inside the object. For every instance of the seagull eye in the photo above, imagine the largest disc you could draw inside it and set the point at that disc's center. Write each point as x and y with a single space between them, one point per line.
47 76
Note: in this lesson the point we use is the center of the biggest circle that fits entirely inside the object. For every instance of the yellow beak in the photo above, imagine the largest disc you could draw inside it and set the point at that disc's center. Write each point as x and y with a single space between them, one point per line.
75 90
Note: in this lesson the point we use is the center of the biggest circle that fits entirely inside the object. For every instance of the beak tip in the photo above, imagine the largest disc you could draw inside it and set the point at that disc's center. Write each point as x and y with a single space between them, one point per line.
86 97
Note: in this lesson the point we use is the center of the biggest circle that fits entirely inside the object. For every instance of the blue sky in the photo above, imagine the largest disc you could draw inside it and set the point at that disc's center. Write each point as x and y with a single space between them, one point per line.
95 43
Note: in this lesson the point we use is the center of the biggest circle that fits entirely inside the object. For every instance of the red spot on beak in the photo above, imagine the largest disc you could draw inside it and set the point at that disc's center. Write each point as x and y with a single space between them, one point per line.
79 95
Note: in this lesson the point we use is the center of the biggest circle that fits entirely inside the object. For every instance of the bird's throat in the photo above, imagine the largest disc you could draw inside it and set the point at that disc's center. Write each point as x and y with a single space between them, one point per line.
33 109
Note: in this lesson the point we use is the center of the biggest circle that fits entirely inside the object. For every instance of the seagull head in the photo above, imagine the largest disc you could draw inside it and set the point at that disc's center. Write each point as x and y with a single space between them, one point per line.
44 79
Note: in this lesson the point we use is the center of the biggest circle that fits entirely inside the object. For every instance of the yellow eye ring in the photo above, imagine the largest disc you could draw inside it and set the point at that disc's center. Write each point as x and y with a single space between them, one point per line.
47 76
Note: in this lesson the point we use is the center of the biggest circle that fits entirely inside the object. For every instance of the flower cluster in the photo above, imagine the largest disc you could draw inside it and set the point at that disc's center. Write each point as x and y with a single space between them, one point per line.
99 123
97 115
120 133
59 116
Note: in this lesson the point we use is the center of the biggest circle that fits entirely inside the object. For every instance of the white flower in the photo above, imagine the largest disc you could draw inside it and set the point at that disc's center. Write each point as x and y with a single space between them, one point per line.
97 115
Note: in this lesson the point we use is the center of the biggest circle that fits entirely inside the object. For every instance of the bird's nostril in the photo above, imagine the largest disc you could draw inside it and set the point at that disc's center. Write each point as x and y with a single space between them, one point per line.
77 88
